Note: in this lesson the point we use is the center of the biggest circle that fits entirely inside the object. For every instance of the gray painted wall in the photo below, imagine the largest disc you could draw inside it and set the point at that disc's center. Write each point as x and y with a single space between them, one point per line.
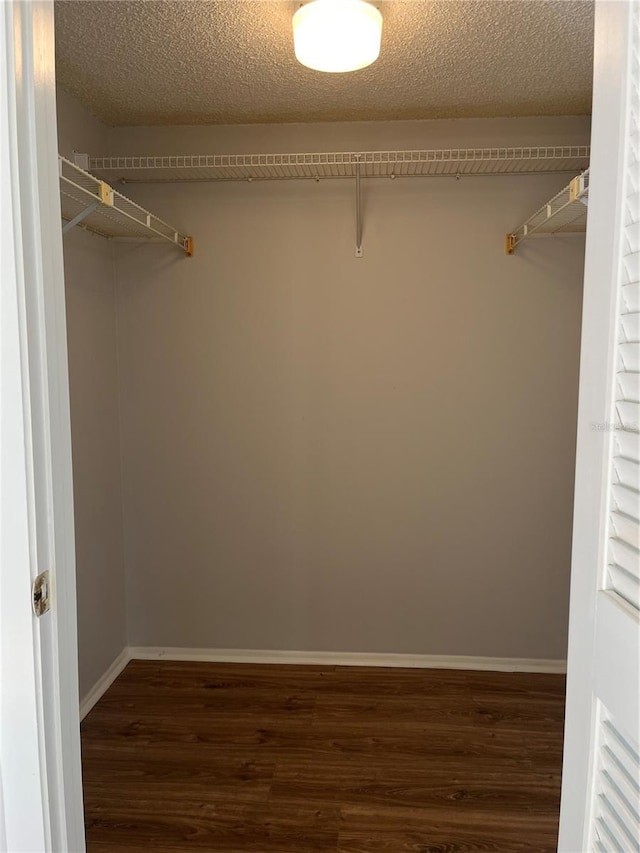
320 452
325 453
93 375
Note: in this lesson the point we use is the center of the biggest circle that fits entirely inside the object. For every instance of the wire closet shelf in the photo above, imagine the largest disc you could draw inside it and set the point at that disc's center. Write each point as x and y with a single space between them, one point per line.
565 213
92 204
370 164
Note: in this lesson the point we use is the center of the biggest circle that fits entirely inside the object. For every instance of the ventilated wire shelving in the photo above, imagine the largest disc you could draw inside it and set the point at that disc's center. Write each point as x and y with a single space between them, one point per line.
565 213
560 214
92 204
370 164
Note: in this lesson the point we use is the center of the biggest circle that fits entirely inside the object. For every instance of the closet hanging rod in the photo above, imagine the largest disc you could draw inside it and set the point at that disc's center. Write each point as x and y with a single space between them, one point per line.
565 213
92 204
373 164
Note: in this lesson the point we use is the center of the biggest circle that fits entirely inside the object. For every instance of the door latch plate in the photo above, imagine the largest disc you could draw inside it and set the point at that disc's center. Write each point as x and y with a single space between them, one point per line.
40 594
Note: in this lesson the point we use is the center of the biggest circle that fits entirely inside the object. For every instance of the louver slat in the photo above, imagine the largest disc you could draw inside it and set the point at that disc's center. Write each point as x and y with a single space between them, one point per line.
617 818
624 555
630 355
629 386
625 584
631 326
629 414
623 571
626 528
627 472
631 267
626 499
628 445
631 293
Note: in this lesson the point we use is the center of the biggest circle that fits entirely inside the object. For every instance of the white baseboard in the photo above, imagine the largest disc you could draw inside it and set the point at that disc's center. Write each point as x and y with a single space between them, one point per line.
348 659
104 683
312 659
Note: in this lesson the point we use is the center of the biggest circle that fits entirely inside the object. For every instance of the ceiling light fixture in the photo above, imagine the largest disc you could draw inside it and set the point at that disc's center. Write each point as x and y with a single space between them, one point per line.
337 35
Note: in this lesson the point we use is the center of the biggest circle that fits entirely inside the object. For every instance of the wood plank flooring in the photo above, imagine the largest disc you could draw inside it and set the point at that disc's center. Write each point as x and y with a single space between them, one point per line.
294 759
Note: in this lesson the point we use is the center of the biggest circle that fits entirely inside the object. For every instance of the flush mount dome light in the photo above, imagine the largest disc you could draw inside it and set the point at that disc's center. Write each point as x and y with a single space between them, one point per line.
337 35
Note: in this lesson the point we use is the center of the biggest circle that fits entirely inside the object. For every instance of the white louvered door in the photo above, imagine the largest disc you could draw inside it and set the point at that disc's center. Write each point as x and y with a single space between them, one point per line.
601 775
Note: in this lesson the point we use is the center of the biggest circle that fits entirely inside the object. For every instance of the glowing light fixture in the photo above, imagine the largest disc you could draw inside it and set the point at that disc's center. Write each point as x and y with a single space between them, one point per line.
337 35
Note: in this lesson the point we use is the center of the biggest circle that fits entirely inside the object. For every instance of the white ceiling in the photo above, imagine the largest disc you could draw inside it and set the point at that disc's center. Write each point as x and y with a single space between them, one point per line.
155 62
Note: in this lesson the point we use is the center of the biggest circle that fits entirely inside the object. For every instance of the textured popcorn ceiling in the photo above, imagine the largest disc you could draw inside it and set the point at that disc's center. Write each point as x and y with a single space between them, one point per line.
154 62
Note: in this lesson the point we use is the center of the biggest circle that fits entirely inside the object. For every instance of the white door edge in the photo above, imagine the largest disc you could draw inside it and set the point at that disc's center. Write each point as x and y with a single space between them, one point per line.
39 718
602 666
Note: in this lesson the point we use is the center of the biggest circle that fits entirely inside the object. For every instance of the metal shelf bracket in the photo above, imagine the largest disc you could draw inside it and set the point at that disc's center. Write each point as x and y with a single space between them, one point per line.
105 196
78 219
94 205
565 213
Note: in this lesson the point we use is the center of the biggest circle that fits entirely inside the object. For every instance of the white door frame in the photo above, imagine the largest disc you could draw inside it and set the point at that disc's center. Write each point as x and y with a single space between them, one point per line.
40 777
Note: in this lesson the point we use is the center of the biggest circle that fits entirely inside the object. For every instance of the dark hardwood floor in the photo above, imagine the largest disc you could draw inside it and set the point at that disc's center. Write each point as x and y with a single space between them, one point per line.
294 759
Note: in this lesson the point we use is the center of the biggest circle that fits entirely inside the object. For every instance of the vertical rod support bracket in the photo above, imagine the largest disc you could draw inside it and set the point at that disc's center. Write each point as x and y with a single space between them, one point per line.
358 214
